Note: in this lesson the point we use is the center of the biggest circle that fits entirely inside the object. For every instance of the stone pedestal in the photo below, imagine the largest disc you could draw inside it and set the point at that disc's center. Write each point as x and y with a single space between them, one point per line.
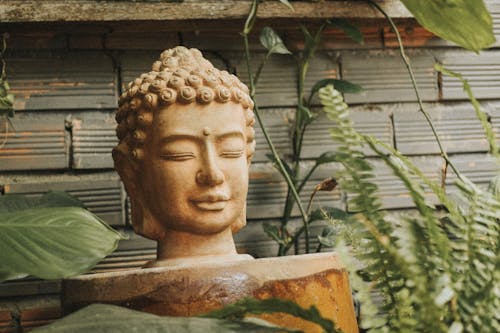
188 290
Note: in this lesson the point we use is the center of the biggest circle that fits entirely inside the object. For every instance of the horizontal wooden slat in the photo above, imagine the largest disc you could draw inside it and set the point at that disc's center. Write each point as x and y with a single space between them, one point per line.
218 41
479 168
35 317
277 84
100 193
456 124
493 109
34 141
482 72
369 121
392 191
384 77
335 39
267 190
413 36
277 123
6 322
29 287
93 138
86 10
62 80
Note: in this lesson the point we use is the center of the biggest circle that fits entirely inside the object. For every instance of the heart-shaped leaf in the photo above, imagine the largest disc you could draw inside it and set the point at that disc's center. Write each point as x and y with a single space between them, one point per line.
272 42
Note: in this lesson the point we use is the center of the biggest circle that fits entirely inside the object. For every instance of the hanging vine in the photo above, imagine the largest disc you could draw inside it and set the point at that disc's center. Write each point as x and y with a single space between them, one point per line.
6 98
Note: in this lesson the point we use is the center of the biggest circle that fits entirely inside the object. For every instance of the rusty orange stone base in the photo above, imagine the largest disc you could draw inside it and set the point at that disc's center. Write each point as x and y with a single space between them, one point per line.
312 279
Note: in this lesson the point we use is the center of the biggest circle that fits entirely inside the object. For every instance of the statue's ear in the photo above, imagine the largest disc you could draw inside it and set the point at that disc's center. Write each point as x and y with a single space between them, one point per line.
126 168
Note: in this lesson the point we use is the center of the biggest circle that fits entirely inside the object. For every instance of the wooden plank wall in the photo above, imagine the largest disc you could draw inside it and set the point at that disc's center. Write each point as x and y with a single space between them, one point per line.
66 83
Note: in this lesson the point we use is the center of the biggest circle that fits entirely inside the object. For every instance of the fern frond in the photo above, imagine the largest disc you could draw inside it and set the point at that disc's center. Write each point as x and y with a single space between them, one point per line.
384 267
481 115
478 261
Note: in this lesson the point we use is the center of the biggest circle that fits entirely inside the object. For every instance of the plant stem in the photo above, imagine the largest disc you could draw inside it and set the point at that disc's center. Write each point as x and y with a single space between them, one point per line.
277 159
415 88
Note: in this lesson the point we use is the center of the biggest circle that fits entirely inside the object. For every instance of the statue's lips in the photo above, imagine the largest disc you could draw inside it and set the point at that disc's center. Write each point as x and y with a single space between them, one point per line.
211 201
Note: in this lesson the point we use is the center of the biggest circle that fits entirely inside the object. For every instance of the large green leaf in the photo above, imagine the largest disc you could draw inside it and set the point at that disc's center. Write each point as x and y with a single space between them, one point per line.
273 305
47 239
11 203
465 22
114 319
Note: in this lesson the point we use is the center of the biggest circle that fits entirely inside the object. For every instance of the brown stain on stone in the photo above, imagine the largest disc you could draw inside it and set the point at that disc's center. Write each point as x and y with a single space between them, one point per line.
328 291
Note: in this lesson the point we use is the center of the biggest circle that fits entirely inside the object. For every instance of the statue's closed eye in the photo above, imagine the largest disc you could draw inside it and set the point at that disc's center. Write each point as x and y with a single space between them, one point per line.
178 156
232 153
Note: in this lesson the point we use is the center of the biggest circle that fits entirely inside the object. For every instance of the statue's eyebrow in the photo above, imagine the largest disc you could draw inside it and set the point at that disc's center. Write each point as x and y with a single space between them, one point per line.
178 137
237 134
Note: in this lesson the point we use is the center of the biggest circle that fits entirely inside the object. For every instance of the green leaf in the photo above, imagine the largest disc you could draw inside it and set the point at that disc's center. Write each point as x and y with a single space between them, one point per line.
287 167
272 42
342 86
329 212
309 41
480 114
50 241
327 237
288 4
305 115
10 203
350 30
273 305
494 186
326 157
465 22
100 318
5 275
274 233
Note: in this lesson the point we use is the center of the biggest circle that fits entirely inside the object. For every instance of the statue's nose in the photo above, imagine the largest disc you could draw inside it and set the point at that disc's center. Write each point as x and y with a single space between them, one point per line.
210 172
210 176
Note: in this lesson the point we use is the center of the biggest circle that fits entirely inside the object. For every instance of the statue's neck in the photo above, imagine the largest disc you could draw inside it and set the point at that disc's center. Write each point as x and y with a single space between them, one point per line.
179 244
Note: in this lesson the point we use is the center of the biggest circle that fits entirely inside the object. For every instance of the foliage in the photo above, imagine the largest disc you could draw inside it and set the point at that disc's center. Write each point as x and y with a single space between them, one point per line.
465 22
439 16
110 318
50 237
6 98
289 167
252 306
481 115
436 275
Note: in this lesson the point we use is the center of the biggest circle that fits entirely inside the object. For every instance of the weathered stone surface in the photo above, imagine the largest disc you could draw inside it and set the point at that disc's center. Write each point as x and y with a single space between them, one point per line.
314 279
86 10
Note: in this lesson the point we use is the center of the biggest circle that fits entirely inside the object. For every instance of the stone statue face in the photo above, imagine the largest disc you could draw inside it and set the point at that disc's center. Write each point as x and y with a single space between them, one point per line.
186 138
195 167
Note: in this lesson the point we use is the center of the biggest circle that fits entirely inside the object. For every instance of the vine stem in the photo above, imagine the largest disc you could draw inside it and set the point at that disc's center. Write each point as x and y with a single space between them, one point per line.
277 159
415 88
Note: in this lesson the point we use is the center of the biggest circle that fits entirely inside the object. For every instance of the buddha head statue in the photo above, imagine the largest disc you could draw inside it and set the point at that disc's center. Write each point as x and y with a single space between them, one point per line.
186 140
